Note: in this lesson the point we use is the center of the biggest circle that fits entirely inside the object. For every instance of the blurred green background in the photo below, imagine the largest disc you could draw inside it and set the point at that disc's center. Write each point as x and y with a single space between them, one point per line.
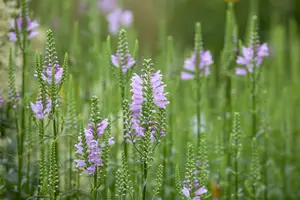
179 16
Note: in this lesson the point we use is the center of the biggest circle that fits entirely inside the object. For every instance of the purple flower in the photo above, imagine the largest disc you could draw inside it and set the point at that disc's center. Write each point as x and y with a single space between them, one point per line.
137 97
111 141
136 126
159 97
91 169
31 28
39 110
80 163
101 127
137 101
107 5
47 76
93 149
248 59
198 193
130 62
201 191
1 100
196 183
117 18
190 65
79 146
186 192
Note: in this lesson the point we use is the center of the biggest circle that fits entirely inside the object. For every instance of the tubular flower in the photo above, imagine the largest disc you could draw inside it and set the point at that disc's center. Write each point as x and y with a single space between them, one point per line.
39 110
130 62
58 73
249 60
89 148
119 18
159 97
137 101
107 5
204 67
101 127
137 97
31 28
186 192
139 90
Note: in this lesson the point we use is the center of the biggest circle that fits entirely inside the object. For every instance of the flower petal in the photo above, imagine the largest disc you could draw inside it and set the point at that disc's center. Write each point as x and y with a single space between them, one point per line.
186 76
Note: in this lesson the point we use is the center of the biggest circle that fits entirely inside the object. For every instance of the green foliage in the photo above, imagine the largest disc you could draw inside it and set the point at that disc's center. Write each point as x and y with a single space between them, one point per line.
229 109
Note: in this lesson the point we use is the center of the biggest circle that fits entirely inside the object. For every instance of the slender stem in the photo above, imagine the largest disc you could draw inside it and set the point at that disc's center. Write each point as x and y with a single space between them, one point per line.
236 176
124 126
19 156
198 97
165 166
55 131
70 163
29 156
253 93
42 163
145 180
78 186
95 184
266 181
22 131
228 192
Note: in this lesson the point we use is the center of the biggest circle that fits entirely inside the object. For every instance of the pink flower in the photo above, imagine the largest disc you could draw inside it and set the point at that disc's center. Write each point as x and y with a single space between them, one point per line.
58 73
107 5
117 18
31 28
39 110
190 65
101 127
80 163
130 62
248 59
159 97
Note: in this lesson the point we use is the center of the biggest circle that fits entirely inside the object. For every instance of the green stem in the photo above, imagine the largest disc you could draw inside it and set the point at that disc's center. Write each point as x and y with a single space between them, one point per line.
42 161
145 180
19 157
198 97
228 189
70 163
21 133
78 186
95 184
55 131
29 156
236 176
122 100
266 182
253 92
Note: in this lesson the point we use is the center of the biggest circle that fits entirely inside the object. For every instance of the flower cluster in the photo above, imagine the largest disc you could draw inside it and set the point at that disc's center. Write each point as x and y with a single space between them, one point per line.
138 98
130 62
58 73
136 106
197 194
41 111
31 27
204 67
116 16
88 147
159 97
251 59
